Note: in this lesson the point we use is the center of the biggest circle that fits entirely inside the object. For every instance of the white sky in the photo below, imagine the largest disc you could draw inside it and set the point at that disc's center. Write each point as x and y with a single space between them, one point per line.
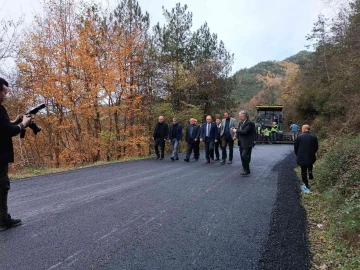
254 30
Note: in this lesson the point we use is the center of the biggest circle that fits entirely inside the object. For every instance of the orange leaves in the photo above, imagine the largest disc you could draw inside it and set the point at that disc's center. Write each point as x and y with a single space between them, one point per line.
88 70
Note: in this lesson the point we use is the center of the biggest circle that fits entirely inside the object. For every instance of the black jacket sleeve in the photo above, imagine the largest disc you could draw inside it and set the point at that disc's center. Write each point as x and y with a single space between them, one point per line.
6 127
154 133
246 130
166 130
296 146
316 145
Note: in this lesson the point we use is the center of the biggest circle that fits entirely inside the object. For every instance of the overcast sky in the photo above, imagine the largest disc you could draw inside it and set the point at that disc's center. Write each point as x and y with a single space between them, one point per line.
254 30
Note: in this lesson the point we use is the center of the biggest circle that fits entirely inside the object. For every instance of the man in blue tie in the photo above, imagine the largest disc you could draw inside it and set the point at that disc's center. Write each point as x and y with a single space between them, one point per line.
208 136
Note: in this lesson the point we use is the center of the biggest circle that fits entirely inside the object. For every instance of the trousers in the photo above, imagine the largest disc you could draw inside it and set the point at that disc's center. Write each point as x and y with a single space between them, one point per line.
159 142
4 190
245 155
226 139
304 174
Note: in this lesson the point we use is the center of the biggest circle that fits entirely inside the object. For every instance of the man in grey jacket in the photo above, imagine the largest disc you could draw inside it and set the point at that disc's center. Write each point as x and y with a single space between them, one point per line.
227 137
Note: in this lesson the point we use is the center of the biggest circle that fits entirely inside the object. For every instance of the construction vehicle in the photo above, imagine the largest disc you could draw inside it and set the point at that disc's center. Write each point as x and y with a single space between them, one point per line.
269 114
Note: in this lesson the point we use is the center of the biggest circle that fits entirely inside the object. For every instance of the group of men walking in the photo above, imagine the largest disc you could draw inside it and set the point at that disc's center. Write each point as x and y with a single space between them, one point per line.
218 135
222 134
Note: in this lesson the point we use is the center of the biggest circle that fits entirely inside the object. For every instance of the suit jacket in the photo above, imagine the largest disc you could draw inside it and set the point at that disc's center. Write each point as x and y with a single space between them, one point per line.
178 132
166 127
246 134
306 146
232 124
218 133
213 132
195 135
7 131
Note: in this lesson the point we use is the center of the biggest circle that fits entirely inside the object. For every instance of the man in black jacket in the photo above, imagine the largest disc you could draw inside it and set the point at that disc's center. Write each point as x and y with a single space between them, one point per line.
246 137
8 129
161 133
175 137
306 146
192 139
218 138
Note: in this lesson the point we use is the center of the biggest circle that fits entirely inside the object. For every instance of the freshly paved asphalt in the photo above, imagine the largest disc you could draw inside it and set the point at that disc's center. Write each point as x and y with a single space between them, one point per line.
148 214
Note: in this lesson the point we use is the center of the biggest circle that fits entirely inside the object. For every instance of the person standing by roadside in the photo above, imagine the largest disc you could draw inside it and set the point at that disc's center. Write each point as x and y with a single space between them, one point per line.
208 136
246 138
227 137
175 137
306 146
274 129
294 130
8 129
267 133
259 137
218 138
192 137
161 133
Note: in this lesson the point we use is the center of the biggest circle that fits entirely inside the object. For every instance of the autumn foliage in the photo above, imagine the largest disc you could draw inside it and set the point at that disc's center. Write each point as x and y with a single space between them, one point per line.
105 78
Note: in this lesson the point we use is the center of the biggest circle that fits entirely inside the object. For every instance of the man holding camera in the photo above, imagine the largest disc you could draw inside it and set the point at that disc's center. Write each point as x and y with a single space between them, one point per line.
8 129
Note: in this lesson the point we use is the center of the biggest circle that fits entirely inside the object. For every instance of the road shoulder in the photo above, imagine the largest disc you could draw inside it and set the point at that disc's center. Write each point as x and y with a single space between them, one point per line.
287 245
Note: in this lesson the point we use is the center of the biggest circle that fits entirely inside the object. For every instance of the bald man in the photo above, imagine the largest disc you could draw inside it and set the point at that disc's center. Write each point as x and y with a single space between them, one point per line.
208 136
161 133
192 139
306 146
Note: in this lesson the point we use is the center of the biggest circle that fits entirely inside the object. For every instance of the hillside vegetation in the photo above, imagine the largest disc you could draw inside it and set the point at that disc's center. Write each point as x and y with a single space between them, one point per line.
322 88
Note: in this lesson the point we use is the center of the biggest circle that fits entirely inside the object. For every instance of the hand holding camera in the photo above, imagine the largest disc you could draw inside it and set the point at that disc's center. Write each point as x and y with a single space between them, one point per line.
28 120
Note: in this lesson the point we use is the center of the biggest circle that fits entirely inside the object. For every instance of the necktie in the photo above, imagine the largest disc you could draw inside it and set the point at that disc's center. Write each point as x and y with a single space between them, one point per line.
208 130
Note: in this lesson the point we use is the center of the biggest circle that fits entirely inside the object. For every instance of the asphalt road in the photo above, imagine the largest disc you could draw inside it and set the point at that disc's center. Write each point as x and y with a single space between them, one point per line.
148 214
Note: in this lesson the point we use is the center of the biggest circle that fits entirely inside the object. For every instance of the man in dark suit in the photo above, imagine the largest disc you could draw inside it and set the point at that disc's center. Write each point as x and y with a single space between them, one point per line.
175 137
8 129
192 138
246 138
208 136
197 143
218 138
227 137
161 132
306 146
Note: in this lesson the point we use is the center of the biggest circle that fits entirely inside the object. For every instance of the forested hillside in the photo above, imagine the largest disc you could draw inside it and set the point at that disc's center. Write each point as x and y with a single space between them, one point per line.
322 88
326 94
271 82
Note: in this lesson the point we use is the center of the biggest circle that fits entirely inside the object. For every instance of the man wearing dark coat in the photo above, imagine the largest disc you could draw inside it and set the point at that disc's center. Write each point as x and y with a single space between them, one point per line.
246 137
8 129
161 132
192 138
218 138
208 136
306 146
175 137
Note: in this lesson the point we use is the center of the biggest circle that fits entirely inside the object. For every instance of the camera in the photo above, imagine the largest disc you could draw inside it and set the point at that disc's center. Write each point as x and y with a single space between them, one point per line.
35 128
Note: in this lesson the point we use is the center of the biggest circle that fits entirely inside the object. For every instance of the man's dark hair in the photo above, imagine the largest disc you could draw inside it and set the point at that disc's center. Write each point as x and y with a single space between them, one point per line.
2 83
